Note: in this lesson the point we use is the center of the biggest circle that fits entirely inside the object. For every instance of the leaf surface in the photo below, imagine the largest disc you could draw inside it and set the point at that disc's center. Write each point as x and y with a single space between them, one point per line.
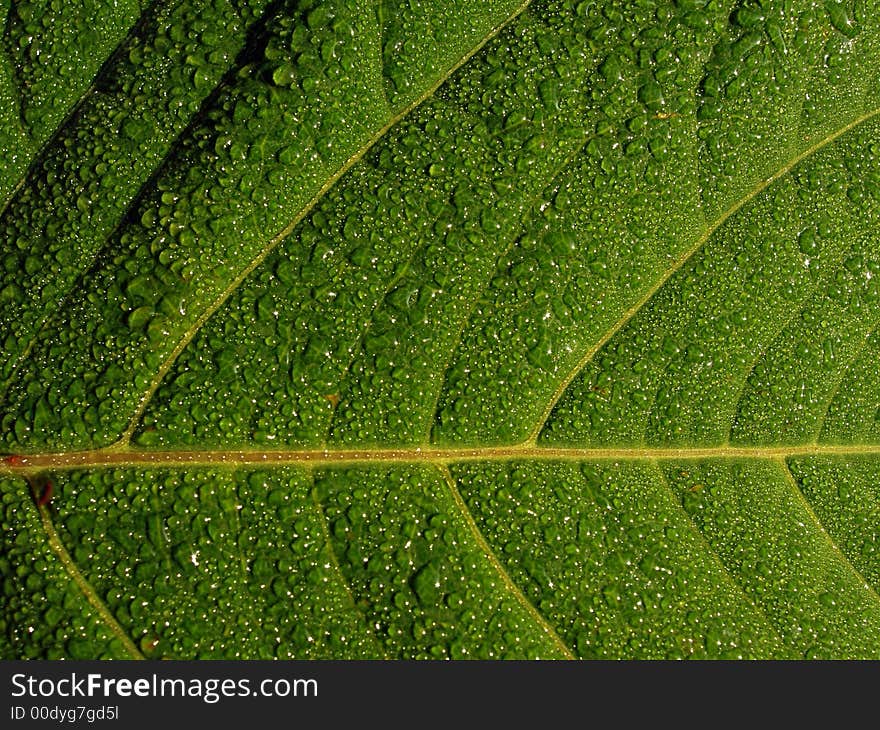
347 329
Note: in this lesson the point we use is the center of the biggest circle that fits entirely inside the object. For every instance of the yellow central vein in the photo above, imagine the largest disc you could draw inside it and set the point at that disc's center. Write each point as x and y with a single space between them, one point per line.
114 456
684 258
88 592
306 209
511 587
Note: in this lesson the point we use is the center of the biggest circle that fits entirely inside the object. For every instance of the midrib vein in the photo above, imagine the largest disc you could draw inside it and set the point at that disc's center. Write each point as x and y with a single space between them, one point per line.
683 258
432 455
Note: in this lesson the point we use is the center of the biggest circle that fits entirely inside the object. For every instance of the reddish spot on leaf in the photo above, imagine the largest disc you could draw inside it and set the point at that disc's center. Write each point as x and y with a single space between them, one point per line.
45 495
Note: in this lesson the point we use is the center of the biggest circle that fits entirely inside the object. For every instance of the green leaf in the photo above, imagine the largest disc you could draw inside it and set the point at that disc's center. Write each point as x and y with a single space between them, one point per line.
347 329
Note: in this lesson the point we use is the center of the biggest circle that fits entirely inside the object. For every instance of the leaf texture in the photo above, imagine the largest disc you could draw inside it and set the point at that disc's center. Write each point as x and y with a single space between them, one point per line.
441 330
